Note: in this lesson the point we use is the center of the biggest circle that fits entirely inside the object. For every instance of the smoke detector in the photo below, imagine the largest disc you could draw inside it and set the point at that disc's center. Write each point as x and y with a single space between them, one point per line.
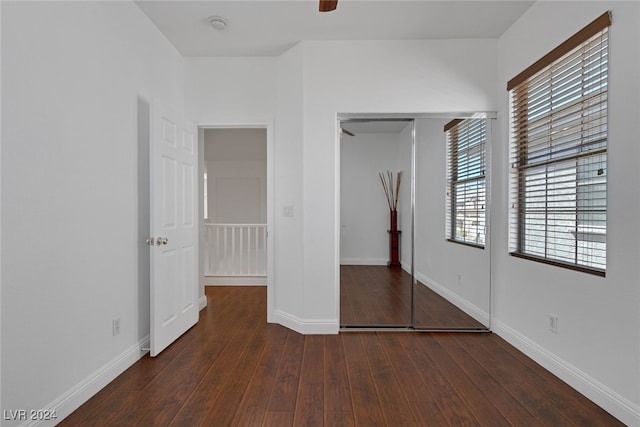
218 23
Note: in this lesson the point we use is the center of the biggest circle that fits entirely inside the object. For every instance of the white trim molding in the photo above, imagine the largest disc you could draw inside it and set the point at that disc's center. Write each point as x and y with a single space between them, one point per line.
88 387
202 302
363 261
306 326
617 405
235 281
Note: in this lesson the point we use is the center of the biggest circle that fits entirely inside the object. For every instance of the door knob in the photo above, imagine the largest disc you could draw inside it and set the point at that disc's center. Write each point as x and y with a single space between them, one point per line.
159 241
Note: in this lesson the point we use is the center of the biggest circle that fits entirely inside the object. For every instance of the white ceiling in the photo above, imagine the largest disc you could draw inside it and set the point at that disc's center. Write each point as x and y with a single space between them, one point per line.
268 27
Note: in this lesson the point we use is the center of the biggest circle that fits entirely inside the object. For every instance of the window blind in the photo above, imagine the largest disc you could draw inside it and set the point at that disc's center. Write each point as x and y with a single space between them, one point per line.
466 181
559 154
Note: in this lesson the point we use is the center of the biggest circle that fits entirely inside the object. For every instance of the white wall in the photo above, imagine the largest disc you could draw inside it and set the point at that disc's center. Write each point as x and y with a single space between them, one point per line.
230 91
364 212
371 77
236 175
288 248
71 74
597 347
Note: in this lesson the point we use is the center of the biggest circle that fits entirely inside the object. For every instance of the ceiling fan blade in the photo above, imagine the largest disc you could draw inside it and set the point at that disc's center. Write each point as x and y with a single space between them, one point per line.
347 132
328 5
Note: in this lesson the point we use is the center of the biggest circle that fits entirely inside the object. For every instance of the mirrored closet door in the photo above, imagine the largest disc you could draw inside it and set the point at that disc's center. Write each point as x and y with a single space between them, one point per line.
414 250
452 256
375 223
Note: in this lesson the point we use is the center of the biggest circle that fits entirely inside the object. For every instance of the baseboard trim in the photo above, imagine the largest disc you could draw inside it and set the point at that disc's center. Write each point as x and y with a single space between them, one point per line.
363 261
88 387
471 309
202 302
617 405
306 326
235 281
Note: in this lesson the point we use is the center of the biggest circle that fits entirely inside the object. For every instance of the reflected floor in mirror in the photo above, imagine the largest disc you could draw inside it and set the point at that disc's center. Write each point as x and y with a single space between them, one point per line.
378 296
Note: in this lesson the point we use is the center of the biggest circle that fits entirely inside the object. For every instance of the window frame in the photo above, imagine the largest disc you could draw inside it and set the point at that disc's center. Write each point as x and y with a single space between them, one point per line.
458 133
586 148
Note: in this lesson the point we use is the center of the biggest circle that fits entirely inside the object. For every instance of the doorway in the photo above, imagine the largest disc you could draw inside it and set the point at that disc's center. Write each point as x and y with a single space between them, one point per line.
236 175
437 284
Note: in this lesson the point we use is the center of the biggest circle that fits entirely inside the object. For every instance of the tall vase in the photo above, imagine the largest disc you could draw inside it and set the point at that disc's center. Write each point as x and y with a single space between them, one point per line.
394 240
393 220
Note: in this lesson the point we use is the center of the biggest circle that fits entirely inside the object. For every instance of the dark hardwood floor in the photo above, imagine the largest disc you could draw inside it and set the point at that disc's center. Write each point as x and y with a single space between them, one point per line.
377 296
233 368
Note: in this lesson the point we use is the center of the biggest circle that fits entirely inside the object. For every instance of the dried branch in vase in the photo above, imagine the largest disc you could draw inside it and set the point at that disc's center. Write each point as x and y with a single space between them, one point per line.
391 187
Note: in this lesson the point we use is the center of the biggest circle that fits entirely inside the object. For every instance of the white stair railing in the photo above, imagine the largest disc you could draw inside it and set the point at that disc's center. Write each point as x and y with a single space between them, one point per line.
235 249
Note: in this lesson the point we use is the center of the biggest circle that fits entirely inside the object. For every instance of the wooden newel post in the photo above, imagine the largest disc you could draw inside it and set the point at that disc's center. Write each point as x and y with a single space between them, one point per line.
394 240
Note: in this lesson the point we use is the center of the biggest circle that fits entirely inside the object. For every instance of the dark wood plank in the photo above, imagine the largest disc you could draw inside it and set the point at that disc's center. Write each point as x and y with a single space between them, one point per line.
255 400
278 419
434 312
233 368
337 394
452 406
475 398
484 381
373 295
392 398
310 401
420 398
366 402
226 404
580 410
513 377
285 387
220 369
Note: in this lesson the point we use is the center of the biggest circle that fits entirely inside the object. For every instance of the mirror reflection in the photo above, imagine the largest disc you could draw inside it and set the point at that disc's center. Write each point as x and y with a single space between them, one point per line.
375 243
425 264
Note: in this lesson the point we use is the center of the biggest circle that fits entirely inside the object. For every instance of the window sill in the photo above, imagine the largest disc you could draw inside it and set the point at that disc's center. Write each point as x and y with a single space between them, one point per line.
588 270
472 245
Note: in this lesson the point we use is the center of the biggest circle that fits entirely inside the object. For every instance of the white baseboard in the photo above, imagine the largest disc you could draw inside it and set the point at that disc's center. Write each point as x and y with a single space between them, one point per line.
617 405
471 309
235 281
88 387
202 302
306 326
363 261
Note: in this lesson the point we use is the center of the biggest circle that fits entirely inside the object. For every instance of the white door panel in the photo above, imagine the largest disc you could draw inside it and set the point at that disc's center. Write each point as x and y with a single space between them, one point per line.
174 267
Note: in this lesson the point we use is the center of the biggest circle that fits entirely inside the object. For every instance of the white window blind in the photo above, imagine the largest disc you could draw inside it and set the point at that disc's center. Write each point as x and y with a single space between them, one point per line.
559 154
466 181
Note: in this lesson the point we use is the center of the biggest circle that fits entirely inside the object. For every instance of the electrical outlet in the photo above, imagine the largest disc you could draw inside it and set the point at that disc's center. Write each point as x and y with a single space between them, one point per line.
115 330
459 279
553 323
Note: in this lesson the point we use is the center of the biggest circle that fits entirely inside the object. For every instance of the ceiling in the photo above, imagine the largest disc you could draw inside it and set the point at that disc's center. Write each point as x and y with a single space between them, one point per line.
269 28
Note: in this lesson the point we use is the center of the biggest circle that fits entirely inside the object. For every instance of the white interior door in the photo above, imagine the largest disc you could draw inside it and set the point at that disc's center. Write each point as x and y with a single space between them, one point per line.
174 249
